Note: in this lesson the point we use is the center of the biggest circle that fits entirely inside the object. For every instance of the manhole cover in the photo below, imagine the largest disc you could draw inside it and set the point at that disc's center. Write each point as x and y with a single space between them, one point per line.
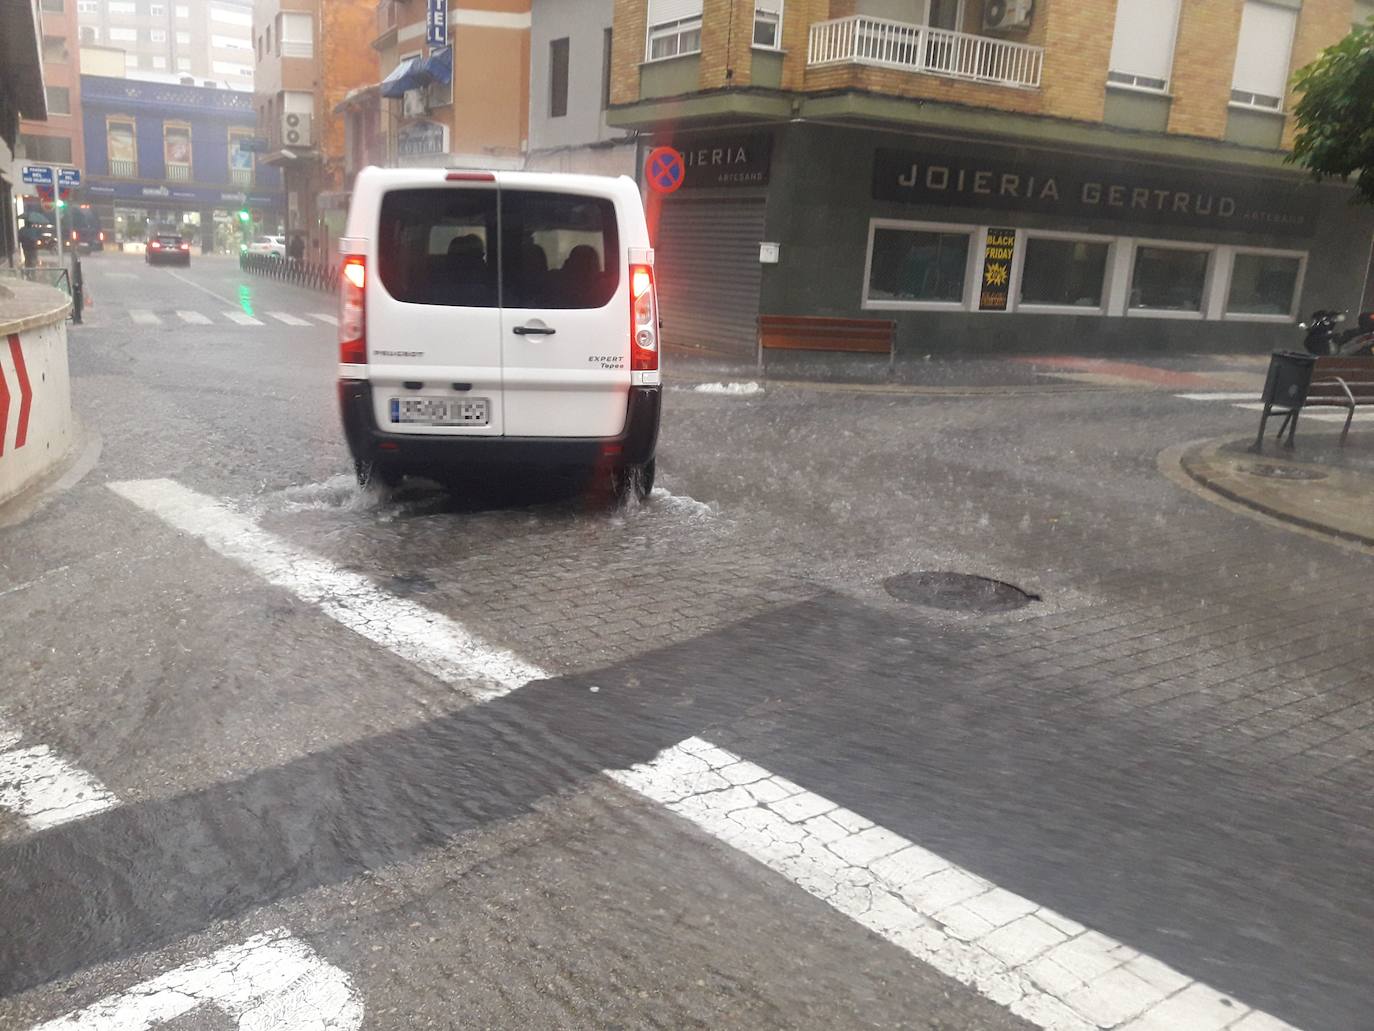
957 592
1283 472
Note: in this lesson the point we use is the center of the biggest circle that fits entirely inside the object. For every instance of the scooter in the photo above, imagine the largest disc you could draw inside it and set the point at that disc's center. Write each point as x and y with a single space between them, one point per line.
1322 337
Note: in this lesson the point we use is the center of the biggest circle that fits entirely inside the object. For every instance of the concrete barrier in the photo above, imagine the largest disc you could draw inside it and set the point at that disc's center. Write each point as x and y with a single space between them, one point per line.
36 426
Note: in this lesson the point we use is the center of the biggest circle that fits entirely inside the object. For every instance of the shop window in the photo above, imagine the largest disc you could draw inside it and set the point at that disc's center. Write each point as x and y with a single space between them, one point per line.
918 266
1262 56
674 28
768 24
558 77
1065 273
1168 279
59 100
1263 284
1143 44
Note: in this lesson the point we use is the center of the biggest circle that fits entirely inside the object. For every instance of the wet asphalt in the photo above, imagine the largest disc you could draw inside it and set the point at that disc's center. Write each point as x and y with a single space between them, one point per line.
1173 745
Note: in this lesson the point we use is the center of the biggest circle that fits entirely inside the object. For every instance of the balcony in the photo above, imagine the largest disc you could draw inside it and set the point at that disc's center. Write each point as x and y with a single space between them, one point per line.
386 21
123 168
241 176
920 48
178 173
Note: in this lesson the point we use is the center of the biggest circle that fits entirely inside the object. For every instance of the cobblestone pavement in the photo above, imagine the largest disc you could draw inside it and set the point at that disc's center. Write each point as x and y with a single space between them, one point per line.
1164 761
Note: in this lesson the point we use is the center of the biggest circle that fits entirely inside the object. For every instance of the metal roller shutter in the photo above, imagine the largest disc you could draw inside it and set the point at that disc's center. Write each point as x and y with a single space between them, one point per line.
707 266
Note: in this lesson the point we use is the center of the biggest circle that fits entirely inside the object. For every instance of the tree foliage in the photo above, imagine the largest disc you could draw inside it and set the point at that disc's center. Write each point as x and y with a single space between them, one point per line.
1335 113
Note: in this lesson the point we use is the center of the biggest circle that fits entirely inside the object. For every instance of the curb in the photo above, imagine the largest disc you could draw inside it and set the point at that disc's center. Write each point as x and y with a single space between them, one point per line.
1173 462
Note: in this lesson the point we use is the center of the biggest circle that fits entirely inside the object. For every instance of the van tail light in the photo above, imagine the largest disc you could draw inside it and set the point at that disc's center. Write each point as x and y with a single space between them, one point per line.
155 245
643 319
352 311
102 236
185 246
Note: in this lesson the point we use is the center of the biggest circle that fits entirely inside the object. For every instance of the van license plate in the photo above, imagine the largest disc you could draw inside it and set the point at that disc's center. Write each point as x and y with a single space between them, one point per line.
441 411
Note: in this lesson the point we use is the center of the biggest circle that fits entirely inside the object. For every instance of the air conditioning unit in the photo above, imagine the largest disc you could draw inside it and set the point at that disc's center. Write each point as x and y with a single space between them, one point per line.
415 103
295 129
1007 14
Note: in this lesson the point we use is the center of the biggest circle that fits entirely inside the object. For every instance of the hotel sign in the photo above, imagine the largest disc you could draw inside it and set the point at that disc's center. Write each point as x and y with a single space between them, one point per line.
1077 188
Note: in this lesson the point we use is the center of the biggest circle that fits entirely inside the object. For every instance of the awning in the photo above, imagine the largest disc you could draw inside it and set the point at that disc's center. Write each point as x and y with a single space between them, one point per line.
439 66
357 97
407 75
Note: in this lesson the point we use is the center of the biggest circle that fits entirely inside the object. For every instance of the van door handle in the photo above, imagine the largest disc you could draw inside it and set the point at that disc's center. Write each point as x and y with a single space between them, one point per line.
533 331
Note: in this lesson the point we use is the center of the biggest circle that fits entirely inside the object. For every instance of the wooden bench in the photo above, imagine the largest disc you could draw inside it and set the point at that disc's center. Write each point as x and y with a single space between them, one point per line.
1337 382
817 333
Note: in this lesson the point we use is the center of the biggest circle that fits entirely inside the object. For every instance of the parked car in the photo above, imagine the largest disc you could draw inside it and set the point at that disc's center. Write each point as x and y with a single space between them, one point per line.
450 368
272 246
167 249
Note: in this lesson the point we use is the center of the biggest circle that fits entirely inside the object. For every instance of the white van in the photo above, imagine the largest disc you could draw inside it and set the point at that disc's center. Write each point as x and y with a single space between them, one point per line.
497 320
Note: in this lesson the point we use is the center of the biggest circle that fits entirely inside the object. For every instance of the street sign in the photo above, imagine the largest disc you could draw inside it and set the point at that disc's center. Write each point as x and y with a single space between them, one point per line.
665 169
69 178
436 23
38 175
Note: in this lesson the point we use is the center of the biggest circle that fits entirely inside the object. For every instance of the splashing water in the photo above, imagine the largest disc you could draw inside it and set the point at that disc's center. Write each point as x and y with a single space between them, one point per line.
736 389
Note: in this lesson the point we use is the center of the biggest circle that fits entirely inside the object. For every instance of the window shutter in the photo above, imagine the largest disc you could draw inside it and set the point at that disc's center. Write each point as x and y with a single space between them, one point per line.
1143 43
661 11
1266 45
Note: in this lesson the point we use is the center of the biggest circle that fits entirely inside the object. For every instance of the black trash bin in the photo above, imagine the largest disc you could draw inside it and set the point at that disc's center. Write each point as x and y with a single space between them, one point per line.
1285 390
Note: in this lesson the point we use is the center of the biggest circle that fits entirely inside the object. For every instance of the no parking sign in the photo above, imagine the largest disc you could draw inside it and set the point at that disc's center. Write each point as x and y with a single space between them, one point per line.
664 169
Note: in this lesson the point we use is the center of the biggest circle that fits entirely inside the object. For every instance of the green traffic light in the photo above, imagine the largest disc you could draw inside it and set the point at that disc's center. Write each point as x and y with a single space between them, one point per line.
244 216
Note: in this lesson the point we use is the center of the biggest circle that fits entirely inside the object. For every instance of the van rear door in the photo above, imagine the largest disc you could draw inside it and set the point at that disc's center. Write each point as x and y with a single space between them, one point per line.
565 321
433 321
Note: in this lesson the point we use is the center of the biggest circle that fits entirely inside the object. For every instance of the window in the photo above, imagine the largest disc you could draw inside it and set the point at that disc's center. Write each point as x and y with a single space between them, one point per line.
183 39
558 78
59 100
123 35
295 36
87 7
240 159
232 16
269 39
159 62
119 143
1263 284
918 265
1143 44
239 43
1064 272
768 23
89 34
1168 278
120 7
53 6
558 250
606 70
157 35
54 48
674 28
183 64
176 150
157 10
183 11
435 247
1262 55
52 149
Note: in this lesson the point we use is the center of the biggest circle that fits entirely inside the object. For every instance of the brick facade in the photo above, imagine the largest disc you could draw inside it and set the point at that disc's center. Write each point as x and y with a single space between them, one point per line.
1076 35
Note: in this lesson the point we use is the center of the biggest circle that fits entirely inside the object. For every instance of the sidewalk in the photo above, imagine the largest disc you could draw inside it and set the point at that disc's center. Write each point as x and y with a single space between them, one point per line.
1319 485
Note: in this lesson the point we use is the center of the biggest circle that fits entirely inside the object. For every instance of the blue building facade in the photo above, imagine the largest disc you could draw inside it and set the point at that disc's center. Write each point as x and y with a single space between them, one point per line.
164 155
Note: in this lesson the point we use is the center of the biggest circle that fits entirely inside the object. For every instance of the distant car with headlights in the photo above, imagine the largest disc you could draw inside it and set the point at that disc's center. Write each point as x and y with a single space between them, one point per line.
269 246
86 233
167 249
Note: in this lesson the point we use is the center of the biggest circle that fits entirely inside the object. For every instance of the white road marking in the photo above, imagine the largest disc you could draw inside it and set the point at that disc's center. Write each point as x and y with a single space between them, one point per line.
1044 967
290 320
437 644
271 982
1247 395
328 320
1246 403
144 317
42 789
242 318
195 318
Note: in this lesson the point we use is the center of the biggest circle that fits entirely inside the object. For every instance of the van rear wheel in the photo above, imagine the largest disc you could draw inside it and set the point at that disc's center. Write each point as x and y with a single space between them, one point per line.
370 472
635 481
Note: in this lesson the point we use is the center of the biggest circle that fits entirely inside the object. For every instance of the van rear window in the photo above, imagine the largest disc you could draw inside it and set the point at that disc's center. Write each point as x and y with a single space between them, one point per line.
556 250
435 247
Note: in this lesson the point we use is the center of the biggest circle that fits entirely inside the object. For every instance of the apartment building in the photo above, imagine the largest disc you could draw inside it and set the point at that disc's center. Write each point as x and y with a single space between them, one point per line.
57 140
310 54
206 39
570 90
455 94
992 175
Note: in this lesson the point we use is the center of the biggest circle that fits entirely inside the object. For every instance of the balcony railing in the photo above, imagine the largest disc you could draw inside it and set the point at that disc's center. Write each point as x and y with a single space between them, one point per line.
920 48
178 173
123 168
241 176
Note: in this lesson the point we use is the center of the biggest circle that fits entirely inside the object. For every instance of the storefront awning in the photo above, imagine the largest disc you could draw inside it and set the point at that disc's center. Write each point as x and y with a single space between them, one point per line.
357 98
439 66
407 75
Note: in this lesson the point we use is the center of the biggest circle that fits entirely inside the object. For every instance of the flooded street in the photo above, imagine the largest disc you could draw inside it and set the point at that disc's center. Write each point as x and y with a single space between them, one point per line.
277 750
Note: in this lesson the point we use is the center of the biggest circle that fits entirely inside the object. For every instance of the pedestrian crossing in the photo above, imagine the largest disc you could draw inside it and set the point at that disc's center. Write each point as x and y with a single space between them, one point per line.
180 317
1248 401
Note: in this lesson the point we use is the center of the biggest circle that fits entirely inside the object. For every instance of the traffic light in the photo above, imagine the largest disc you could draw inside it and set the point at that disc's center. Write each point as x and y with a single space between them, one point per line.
243 215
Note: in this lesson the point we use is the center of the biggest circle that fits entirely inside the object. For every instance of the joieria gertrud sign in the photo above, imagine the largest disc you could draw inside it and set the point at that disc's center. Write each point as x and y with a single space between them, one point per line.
1078 188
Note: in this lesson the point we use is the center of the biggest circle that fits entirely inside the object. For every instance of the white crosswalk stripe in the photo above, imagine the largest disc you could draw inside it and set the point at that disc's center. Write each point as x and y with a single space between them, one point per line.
195 318
144 317
42 788
242 318
328 320
290 320
1246 403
